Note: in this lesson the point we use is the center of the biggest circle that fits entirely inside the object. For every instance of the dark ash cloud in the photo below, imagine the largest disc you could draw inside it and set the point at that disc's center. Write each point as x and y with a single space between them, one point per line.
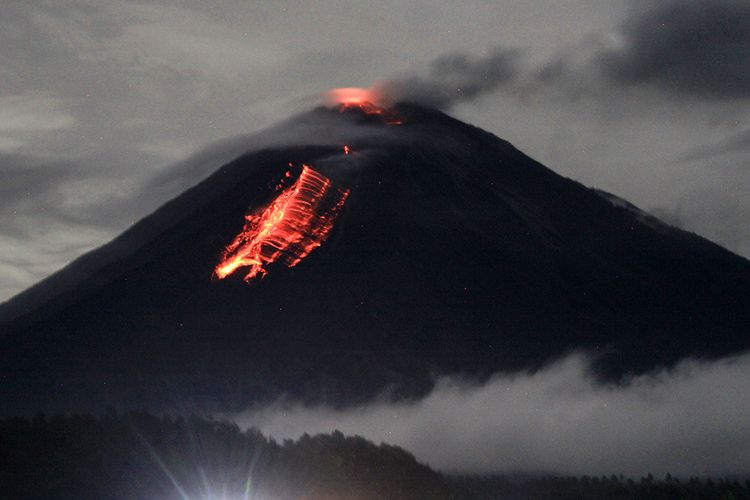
698 47
453 78
690 420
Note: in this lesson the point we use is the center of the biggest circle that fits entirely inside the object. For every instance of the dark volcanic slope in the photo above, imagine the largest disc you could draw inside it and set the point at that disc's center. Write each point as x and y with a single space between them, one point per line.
454 253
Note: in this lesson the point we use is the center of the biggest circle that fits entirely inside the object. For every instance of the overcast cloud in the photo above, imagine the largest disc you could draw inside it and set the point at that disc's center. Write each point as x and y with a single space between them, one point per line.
693 46
691 420
32 112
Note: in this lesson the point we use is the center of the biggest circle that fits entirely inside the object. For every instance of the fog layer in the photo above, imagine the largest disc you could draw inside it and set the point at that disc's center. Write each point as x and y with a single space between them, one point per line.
691 420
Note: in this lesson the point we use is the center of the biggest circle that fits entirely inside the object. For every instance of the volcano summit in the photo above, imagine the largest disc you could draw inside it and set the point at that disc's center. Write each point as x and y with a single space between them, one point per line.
439 249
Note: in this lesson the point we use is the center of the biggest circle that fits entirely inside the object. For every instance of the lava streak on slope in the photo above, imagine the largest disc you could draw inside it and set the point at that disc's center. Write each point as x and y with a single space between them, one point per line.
291 226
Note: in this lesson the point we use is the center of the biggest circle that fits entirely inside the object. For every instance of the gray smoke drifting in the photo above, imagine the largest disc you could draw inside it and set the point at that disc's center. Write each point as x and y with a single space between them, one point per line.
697 47
453 78
692 420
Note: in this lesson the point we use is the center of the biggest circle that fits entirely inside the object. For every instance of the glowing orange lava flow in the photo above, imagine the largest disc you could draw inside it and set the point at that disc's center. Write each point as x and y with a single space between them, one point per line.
294 224
353 96
367 101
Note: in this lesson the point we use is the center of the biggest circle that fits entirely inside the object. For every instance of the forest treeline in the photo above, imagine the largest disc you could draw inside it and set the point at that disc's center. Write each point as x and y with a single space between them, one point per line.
601 488
142 456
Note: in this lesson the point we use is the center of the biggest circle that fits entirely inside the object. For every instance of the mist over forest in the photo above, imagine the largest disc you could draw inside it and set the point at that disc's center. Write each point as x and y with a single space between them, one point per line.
138 456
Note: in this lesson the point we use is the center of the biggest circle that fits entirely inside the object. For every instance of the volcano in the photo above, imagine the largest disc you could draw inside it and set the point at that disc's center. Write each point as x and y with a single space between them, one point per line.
440 249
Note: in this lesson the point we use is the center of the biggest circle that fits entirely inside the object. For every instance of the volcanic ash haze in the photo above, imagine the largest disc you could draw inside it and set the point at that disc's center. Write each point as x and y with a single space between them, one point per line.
453 254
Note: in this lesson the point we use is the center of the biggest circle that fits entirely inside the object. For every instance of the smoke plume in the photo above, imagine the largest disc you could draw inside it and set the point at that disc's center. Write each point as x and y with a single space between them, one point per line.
696 47
453 78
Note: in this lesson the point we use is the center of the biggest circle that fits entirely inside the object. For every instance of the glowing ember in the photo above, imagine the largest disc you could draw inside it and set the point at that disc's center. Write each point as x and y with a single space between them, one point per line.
352 96
366 100
294 224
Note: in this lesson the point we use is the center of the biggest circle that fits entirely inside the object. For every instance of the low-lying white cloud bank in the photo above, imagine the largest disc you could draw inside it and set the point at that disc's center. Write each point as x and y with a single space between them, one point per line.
691 420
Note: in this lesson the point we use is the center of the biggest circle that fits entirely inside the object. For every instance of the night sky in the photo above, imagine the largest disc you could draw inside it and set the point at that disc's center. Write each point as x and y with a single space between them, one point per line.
645 99
110 108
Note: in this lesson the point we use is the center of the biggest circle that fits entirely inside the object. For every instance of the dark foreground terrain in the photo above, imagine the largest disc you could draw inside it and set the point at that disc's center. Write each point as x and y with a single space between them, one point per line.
139 456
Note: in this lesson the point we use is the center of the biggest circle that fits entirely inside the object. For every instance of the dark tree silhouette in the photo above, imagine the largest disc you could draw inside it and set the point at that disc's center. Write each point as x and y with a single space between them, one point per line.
141 456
